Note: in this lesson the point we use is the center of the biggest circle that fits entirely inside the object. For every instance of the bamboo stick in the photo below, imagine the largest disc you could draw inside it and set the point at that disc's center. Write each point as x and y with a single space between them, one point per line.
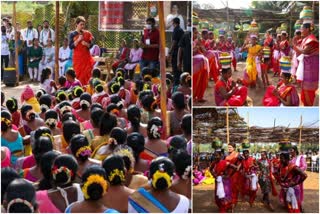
56 70
227 119
163 101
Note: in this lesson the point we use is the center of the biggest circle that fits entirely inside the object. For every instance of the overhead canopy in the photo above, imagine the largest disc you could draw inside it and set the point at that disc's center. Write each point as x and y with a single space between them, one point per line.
211 123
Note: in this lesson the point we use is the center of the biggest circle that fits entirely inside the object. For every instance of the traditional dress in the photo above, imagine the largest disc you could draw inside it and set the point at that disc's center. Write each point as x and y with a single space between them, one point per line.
250 187
237 99
285 91
300 162
197 177
123 54
252 69
236 177
223 186
82 60
135 57
308 70
266 180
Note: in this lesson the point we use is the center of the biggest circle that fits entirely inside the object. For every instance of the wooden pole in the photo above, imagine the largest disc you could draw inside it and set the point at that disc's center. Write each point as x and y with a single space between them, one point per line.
227 119
163 101
300 134
16 43
56 70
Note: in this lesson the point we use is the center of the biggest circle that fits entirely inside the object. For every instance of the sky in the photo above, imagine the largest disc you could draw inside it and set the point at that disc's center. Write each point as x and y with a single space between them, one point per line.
235 4
264 117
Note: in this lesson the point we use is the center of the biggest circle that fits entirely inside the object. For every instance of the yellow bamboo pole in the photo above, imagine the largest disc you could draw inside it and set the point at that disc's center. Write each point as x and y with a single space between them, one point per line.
16 43
300 134
163 101
227 119
56 70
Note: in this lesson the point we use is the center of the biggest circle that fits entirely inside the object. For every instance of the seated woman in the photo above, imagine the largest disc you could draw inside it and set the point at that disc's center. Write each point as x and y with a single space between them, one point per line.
45 167
117 137
134 179
175 116
94 187
118 193
28 97
154 145
285 94
51 121
149 105
41 146
48 58
64 192
198 176
182 185
136 141
11 138
20 197
83 113
72 81
91 129
227 92
122 56
143 201
185 84
209 179
134 58
81 150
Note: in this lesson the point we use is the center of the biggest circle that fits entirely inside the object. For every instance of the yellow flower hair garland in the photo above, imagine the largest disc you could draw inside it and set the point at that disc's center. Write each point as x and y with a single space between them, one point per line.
83 149
160 174
116 172
98 179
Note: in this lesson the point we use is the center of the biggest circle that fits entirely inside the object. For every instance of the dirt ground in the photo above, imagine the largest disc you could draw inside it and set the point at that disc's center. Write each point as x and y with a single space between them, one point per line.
203 199
256 94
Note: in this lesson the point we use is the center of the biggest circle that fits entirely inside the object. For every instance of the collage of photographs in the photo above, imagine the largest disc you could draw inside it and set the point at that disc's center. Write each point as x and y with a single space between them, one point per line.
160 106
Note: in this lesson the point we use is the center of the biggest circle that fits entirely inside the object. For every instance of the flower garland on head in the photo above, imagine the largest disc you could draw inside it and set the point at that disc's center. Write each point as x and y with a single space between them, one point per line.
114 85
146 86
20 200
112 141
186 173
6 121
48 135
147 76
125 152
56 170
51 121
94 179
154 105
187 78
117 172
115 111
156 131
84 151
160 173
44 107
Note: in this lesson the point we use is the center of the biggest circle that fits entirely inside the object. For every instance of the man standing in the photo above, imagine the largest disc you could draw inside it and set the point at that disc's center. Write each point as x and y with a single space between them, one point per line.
4 50
46 34
29 34
64 56
184 51
150 44
176 37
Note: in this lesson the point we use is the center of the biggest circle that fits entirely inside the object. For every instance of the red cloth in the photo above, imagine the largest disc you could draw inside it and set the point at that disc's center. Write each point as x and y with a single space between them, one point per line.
307 97
16 116
200 78
151 54
27 93
82 60
123 56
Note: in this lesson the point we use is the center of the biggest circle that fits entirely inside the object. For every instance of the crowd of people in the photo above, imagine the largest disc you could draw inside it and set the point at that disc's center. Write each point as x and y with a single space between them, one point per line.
239 174
295 60
90 144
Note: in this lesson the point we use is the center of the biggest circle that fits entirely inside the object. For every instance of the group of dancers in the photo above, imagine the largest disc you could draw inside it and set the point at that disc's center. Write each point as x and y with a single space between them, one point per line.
240 176
295 60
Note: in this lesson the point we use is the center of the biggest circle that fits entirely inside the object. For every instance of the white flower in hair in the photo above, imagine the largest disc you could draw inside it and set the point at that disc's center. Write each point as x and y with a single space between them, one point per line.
155 131
120 103
186 173
161 167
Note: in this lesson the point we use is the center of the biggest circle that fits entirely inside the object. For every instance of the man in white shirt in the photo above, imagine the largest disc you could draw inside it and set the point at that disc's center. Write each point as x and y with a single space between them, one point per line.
64 56
29 34
4 50
170 17
45 34
48 59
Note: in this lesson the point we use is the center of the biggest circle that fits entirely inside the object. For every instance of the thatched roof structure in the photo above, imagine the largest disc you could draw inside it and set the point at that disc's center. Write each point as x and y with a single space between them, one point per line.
211 123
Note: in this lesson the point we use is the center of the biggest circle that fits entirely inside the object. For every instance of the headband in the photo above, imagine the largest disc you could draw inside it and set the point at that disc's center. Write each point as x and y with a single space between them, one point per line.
19 200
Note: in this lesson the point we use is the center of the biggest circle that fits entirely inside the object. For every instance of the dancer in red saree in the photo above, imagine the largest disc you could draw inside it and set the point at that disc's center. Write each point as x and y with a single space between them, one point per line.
290 179
308 68
249 168
227 92
236 177
81 41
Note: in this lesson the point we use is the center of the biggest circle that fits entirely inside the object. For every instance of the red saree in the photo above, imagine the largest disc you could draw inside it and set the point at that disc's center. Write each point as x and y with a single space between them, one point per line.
82 60
285 91
248 168
237 99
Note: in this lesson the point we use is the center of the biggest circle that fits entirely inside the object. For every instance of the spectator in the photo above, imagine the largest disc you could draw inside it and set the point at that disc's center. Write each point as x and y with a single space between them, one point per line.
35 54
122 56
174 14
64 56
46 34
48 58
184 51
134 58
4 50
176 37
150 43
29 34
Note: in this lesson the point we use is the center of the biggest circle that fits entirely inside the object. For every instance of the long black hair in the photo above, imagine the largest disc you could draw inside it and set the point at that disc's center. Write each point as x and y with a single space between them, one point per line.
45 167
134 116
45 74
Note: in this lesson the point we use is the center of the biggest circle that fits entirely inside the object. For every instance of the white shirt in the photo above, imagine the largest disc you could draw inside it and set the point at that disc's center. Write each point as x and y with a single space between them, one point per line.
29 35
64 53
170 18
44 36
4 46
